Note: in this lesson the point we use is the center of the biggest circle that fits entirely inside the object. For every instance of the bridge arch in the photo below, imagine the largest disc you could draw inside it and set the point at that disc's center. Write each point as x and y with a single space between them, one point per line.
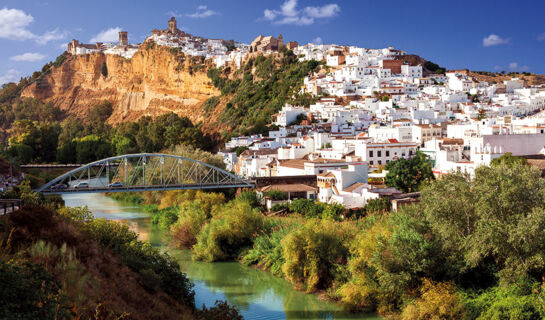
143 172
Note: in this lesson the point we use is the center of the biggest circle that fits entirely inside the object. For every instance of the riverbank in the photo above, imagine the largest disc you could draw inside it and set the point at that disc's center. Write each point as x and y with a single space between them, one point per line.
216 230
257 294
61 263
472 248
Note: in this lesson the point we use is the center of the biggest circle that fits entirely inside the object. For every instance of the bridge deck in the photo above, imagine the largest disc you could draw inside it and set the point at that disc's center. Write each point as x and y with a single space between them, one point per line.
148 188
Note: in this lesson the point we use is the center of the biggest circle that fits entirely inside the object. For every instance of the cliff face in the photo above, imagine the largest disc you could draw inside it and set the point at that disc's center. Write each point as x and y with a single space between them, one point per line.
153 82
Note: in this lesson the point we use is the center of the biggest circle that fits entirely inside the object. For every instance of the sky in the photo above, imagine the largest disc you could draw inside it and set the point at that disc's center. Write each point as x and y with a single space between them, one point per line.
478 34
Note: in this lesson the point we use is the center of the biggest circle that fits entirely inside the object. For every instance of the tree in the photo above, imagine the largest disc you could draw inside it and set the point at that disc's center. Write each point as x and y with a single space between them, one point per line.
98 115
408 175
378 205
91 148
495 220
508 159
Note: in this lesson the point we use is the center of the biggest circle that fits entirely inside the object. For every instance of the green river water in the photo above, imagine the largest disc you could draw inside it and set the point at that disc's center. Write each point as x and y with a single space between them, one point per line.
256 293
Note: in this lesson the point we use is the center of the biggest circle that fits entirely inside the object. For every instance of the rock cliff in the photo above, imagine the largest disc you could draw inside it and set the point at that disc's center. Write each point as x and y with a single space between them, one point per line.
156 80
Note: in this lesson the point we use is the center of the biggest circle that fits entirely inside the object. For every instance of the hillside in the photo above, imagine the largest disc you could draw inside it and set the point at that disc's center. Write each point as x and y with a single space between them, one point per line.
158 80
530 79
155 81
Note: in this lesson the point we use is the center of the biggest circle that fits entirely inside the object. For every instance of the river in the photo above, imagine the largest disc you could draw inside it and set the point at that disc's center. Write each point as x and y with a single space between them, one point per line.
256 293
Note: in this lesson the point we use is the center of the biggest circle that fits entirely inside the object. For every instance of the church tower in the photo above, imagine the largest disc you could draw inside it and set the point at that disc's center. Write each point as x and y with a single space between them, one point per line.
123 38
172 25
280 42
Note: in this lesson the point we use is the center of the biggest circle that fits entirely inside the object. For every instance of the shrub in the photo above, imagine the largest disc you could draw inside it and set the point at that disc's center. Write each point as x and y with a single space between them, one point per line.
437 301
139 256
192 218
251 197
361 293
313 253
515 301
231 230
220 311
276 194
378 205
267 249
308 208
164 218
28 291
210 104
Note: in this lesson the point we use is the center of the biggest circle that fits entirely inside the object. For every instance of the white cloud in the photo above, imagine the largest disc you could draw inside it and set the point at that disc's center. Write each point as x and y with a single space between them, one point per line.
28 57
14 26
289 14
14 23
541 37
109 35
11 76
513 66
318 40
494 40
51 36
326 11
202 12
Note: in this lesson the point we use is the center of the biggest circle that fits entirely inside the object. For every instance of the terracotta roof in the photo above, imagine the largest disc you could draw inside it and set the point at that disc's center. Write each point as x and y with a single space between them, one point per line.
353 187
326 175
260 152
293 163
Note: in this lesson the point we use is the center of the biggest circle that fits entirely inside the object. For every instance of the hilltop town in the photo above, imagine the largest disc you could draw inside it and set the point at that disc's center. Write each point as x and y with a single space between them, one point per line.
372 106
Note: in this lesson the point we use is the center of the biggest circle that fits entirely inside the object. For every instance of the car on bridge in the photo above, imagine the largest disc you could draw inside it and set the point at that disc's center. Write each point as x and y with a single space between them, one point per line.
115 185
59 186
82 185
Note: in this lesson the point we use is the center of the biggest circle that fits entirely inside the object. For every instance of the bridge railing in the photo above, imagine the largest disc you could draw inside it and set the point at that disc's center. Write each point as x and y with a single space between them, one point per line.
142 172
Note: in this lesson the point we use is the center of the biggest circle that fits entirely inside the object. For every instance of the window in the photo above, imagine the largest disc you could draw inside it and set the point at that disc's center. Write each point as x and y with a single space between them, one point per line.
379 153
370 153
387 153
371 162
379 162
387 161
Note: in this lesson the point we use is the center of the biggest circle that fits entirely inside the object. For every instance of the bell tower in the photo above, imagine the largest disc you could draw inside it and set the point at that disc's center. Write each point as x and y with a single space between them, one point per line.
123 38
172 25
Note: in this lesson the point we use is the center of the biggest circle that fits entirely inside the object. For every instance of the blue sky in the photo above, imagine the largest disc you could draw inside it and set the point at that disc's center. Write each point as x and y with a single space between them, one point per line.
478 34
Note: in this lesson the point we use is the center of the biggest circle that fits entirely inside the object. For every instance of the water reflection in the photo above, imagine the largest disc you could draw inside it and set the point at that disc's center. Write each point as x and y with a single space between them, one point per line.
258 294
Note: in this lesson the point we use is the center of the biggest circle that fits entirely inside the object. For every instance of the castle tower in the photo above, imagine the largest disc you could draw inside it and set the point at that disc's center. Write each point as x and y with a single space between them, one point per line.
172 25
123 38
280 42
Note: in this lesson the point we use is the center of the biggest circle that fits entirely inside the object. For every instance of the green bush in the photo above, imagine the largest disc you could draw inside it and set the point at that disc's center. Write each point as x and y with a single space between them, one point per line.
276 195
210 104
28 291
192 217
164 218
307 207
314 253
267 250
250 197
139 256
231 230
516 301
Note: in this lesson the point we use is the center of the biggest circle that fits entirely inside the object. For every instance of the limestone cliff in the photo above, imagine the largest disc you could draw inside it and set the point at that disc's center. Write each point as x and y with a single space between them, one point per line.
156 80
